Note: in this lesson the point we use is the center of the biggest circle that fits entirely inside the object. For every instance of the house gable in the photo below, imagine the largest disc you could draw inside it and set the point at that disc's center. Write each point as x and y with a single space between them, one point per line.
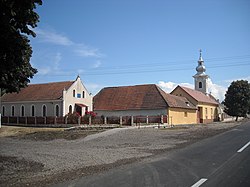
196 97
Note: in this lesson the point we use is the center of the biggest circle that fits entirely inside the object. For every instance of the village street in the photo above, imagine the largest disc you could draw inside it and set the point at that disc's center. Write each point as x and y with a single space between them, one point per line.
26 160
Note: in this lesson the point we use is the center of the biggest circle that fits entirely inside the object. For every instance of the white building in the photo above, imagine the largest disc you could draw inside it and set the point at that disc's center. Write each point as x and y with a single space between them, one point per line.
49 99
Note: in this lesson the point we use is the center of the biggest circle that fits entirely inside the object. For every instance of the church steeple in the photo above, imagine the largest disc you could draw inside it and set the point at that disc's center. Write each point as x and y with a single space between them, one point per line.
200 68
200 78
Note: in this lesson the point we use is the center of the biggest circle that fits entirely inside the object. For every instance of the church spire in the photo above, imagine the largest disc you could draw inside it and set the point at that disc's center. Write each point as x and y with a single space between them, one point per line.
200 68
201 78
200 58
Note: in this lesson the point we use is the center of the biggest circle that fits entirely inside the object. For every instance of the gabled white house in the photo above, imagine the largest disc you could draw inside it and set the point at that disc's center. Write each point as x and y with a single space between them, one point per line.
49 99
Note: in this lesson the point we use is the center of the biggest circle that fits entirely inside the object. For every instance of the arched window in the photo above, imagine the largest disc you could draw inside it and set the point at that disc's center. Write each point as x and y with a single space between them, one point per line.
3 110
22 111
12 110
74 93
200 84
70 109
83 94
32 110
57 110
44 109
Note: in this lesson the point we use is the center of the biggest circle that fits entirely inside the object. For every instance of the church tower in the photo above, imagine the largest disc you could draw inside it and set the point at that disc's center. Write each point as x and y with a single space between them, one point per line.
200 78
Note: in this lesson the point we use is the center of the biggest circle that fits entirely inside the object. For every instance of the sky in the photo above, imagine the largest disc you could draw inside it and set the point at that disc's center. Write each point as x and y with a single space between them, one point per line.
130 42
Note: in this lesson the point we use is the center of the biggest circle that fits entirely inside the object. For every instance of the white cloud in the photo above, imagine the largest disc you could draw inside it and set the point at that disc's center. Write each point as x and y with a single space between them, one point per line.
44 70
79 49
52 66
216 90
57 60
93 88
85 51
97 64
53 37
169 86
242 78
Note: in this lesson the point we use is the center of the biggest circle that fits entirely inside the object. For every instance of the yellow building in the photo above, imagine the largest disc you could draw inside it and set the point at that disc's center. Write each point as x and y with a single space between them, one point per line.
206 106
144 100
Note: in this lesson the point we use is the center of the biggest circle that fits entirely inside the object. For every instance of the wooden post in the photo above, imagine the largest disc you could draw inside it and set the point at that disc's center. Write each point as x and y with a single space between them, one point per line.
162 119
79 120
89 120
105 120
120 120
132 120
66 120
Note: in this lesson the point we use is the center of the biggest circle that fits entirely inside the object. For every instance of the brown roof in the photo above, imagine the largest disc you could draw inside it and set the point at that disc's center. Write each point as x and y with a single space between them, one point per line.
198 96
37 92
137 97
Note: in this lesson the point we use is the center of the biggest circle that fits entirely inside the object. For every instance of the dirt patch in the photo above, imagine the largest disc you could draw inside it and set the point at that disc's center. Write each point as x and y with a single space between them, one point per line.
6 131
13 169
46 134
52 135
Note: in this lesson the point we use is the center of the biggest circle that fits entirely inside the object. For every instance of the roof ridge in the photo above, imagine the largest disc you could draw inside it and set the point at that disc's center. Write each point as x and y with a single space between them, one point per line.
129 86
160 92
49 83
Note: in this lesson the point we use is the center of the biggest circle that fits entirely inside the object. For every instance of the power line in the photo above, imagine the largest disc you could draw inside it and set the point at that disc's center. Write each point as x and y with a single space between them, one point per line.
111 72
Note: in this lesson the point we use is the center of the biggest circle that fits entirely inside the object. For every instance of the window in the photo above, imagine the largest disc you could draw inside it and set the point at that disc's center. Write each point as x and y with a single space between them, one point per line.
12 110
206 112
185 114
74 93
79 96
44 110
70 109
200 84
33 110
57 111
212 115
3 110
22 111
83 94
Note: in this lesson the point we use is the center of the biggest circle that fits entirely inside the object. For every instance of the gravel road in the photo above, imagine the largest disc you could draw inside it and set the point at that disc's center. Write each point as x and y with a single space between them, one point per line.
29 162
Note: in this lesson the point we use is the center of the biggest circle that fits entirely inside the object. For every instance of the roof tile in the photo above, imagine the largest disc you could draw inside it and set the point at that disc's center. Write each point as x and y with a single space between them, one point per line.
38 92
136 97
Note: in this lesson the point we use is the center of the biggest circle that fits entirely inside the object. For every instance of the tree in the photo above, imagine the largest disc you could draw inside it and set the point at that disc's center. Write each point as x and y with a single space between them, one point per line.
16 19
237 99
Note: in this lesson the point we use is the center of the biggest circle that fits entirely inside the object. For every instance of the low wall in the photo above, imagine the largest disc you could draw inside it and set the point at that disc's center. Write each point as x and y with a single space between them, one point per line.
79 120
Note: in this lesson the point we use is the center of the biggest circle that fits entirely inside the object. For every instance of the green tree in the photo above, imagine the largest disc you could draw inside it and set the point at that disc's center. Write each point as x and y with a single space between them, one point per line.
17 17
237 99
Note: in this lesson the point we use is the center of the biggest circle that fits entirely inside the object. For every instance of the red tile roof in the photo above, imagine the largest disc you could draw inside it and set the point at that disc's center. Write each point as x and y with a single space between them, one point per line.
38 92
198 96
137 97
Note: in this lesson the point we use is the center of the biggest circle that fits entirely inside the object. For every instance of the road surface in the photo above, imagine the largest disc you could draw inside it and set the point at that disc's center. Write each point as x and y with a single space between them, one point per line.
222 160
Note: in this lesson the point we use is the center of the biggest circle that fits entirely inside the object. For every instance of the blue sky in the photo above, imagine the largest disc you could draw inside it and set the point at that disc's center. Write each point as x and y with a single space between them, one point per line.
129 42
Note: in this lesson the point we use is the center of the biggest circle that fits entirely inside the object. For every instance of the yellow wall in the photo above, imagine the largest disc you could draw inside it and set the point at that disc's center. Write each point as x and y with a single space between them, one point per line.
179 92
177 116
203 114
208 111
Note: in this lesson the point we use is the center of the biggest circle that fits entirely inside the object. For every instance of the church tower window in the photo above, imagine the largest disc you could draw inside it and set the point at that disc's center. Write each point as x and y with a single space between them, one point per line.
200 84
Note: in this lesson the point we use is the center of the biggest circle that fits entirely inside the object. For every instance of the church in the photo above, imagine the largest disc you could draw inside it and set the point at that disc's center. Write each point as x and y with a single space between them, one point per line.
207 106
48 99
